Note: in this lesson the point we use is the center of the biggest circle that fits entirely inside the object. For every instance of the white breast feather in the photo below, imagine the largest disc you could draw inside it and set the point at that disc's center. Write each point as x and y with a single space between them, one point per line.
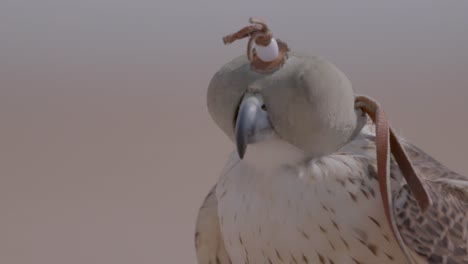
276 207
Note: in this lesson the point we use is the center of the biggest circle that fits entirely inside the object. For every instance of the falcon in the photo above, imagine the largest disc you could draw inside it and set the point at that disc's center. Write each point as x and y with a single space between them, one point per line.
318 175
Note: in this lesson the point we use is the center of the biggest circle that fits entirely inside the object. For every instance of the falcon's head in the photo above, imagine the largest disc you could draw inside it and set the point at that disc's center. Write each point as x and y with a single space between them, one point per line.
306 103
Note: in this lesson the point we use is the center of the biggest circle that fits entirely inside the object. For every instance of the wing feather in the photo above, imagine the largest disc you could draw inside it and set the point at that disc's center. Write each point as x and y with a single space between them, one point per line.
209 242
440 235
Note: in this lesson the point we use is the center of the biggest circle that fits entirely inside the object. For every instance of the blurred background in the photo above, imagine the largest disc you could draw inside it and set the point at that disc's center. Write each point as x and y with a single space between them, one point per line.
107 149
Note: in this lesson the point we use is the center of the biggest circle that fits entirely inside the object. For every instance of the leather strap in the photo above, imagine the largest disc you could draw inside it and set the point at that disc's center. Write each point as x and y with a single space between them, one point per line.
387 143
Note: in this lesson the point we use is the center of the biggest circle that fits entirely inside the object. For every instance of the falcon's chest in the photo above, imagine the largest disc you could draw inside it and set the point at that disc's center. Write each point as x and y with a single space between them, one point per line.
322 211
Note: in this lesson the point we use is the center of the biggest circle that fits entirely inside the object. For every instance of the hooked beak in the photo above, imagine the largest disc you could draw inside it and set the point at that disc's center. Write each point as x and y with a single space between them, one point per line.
252 124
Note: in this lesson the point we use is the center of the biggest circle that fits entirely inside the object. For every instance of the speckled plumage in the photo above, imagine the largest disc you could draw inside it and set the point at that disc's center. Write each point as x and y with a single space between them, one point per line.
329 210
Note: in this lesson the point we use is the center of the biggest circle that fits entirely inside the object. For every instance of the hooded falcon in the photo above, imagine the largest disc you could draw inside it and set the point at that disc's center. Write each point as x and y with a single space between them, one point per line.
318 176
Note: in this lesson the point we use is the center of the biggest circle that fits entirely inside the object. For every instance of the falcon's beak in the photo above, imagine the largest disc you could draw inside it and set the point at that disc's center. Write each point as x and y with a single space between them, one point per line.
252 124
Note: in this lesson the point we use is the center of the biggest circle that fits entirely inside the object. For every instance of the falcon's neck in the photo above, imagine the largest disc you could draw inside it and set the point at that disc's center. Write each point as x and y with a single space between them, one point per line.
272 154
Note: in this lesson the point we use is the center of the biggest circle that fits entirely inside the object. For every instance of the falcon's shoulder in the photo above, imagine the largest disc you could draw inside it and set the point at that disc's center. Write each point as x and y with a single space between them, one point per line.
440 235
209 242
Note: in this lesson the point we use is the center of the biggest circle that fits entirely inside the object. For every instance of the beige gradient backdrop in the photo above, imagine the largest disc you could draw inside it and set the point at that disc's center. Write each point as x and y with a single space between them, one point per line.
106 146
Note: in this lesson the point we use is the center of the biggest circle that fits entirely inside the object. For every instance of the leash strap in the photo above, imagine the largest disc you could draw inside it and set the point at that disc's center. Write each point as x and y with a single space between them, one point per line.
387 143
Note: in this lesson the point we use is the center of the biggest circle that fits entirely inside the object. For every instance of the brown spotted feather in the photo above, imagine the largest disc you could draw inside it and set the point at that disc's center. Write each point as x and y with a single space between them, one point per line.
441 234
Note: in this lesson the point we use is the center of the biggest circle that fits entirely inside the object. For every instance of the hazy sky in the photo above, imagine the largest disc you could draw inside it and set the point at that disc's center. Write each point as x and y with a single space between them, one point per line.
106 147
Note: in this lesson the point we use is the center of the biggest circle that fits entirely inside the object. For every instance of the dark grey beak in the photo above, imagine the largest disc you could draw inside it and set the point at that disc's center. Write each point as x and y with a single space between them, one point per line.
252 124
